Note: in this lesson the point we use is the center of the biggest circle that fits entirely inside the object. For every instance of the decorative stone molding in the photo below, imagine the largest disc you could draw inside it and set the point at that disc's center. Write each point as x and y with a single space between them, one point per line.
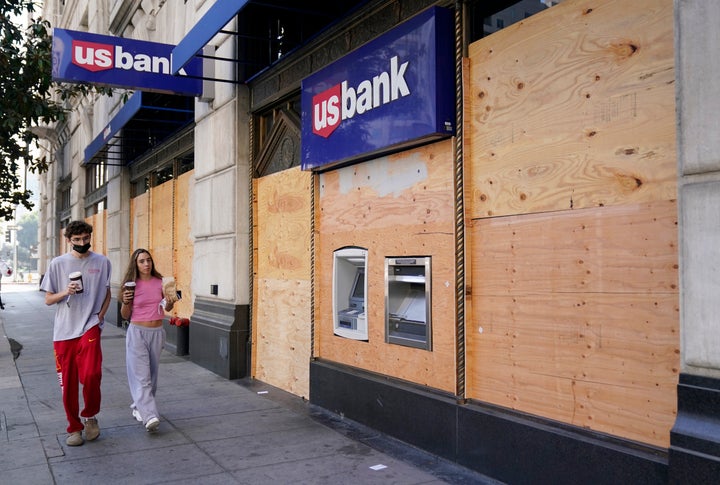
282 149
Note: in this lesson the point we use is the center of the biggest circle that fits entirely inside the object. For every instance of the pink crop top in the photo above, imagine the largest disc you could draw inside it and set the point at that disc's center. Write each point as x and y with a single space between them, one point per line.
147 298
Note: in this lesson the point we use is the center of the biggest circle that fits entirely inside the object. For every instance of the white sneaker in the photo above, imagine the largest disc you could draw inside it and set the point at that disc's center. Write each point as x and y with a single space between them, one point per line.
152 425
136 415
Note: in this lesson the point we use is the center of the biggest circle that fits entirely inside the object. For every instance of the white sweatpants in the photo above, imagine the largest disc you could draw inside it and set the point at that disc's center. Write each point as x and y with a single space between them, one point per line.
142 354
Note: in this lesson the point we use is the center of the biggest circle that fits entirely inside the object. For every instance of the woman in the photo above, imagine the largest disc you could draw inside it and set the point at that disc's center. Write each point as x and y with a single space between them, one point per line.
143 306
5 270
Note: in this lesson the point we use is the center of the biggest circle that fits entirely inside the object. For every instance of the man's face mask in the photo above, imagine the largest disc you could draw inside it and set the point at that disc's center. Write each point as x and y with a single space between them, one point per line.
81 249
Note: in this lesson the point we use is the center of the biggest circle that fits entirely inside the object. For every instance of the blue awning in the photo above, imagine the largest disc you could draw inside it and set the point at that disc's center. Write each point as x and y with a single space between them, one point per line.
219 15
119 120
144 121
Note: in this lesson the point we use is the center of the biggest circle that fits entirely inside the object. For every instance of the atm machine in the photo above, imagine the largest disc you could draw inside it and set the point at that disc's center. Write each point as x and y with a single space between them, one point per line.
407 301
349 293
348 317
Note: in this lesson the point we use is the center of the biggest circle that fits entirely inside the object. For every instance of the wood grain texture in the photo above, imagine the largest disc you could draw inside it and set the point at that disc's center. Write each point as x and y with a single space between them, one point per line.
183 245
282 298
99 235
573 108
283 335
255 283
140 221
576 317
572 218
162 226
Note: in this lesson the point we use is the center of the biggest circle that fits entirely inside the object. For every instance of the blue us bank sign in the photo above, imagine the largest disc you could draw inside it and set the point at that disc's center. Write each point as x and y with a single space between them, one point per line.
82 57
396 91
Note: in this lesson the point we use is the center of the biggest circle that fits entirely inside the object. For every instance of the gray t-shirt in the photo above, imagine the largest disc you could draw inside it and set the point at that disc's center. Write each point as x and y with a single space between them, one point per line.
79 313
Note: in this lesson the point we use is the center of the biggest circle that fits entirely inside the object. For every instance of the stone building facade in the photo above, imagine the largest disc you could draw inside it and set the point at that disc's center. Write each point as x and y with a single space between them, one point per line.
621 385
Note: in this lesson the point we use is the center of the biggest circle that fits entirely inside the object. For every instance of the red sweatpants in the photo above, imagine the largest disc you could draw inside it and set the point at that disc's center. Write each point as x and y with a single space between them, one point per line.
79 361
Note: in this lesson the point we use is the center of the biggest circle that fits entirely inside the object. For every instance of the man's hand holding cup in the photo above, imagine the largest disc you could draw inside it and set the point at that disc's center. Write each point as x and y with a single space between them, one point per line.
75 286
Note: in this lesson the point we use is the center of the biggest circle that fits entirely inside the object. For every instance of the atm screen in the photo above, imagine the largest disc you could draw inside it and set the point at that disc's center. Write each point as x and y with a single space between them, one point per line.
357 293
358 290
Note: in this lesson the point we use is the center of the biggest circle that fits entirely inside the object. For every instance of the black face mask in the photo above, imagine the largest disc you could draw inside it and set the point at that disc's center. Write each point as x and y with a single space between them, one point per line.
81 249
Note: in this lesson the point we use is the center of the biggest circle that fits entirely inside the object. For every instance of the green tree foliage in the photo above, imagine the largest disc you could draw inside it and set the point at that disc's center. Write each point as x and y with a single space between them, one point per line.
28 98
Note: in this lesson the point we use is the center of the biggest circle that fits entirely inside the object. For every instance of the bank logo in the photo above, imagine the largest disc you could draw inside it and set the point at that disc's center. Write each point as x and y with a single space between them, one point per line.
94 56
343 102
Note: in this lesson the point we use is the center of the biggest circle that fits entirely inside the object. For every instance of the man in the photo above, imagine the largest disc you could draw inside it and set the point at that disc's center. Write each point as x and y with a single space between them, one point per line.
81 305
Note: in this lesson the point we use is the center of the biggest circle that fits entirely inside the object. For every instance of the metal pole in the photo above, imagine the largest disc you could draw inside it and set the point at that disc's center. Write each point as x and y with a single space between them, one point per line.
15 253
13 228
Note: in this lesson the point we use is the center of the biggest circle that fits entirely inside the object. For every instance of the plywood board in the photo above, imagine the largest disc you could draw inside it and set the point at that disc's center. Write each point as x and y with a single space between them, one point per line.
284 225
140 221
573 108
99 236
255 283
161 226
624 249
183 247
282 289
576 317
393 206
283 335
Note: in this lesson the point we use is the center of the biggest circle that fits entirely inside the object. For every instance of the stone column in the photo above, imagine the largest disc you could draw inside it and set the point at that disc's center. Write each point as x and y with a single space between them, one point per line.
219 328
695 438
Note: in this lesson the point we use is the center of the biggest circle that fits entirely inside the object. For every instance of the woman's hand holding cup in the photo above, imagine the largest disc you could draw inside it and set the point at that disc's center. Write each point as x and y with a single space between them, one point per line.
129 292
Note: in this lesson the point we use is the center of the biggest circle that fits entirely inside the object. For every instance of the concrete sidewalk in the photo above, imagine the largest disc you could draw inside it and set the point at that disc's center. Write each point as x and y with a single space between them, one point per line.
213 431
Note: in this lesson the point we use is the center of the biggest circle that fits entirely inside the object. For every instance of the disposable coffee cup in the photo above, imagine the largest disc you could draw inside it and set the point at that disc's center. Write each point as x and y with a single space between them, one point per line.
130 285
76 278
